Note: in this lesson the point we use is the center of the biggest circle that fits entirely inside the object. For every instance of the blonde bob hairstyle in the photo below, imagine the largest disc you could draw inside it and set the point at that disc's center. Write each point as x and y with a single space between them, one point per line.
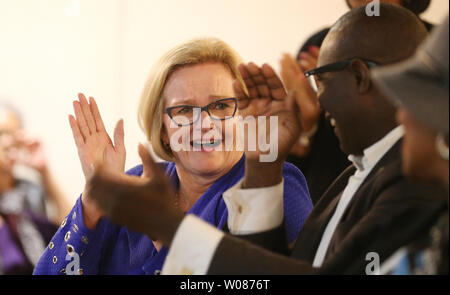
151 106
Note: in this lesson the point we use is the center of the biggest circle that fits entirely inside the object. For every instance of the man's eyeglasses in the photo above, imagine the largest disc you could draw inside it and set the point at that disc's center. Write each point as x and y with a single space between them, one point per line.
185 115
334 67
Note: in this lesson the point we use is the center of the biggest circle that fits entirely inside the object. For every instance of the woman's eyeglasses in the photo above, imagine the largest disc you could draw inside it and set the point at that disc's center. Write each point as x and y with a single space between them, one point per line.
333 67
185 115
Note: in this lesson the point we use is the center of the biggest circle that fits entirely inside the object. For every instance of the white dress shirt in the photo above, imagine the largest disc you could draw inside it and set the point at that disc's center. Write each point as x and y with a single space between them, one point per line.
246 216
249 211
364 165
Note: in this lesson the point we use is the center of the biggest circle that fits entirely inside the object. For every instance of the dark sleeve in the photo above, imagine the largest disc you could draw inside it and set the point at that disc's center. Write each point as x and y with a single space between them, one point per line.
396 219
272 240
391 223
237 256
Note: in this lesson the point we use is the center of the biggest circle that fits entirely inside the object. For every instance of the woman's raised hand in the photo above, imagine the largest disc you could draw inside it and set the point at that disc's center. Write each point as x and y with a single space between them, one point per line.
95 147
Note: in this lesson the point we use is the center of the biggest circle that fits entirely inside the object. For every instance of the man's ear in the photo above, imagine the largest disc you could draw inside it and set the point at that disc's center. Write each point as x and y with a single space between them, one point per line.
362 75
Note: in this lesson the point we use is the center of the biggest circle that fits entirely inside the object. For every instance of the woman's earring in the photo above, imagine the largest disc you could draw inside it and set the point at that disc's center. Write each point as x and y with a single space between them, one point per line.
442 147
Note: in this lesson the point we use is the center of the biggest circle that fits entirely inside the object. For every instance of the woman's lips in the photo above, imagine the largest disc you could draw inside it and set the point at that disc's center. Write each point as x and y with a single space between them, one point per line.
206 146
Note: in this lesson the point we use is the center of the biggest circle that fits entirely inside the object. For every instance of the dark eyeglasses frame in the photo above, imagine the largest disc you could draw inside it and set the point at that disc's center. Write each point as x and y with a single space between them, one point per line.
335 67
205 108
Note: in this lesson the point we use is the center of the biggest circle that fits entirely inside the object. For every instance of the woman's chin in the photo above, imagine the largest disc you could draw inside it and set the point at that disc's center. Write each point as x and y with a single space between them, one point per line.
207 166
208 163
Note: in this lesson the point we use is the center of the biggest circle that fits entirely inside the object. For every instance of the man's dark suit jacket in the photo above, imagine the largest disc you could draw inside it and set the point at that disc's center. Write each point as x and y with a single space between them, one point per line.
386 213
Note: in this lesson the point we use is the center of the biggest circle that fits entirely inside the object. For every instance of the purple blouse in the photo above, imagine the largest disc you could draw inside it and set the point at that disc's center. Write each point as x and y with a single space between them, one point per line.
112 249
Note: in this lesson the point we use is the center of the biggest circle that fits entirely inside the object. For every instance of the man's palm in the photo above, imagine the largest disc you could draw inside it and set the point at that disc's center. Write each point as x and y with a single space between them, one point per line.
268 98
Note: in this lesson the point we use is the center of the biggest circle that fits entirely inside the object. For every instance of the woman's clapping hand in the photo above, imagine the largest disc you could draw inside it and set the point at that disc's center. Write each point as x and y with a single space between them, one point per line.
95 147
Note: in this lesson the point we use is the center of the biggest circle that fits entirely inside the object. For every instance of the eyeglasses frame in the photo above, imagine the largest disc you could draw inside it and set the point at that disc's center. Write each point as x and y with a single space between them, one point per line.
205 108
335 67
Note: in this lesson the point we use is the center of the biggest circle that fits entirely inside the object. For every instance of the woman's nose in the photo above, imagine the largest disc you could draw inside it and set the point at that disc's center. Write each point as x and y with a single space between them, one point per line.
205 122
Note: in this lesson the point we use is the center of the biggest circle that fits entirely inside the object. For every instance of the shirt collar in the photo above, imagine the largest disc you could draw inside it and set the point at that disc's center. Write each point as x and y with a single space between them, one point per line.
375 152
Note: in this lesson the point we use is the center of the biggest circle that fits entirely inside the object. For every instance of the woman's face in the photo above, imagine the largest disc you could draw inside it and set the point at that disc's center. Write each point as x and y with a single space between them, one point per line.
206 148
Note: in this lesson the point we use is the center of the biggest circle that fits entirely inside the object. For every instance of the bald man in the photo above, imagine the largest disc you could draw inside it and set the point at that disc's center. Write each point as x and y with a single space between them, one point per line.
319 157
371 208
367 213
416 6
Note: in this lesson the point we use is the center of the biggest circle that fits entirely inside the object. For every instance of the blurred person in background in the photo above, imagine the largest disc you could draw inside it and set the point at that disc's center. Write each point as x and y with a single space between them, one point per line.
25 226
317 152
420 87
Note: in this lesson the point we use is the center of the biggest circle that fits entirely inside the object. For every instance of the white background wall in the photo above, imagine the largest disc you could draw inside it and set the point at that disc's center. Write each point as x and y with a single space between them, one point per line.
52 49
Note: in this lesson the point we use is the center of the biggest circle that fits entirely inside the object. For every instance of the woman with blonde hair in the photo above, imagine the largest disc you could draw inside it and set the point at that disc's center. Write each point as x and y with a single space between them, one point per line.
189 96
